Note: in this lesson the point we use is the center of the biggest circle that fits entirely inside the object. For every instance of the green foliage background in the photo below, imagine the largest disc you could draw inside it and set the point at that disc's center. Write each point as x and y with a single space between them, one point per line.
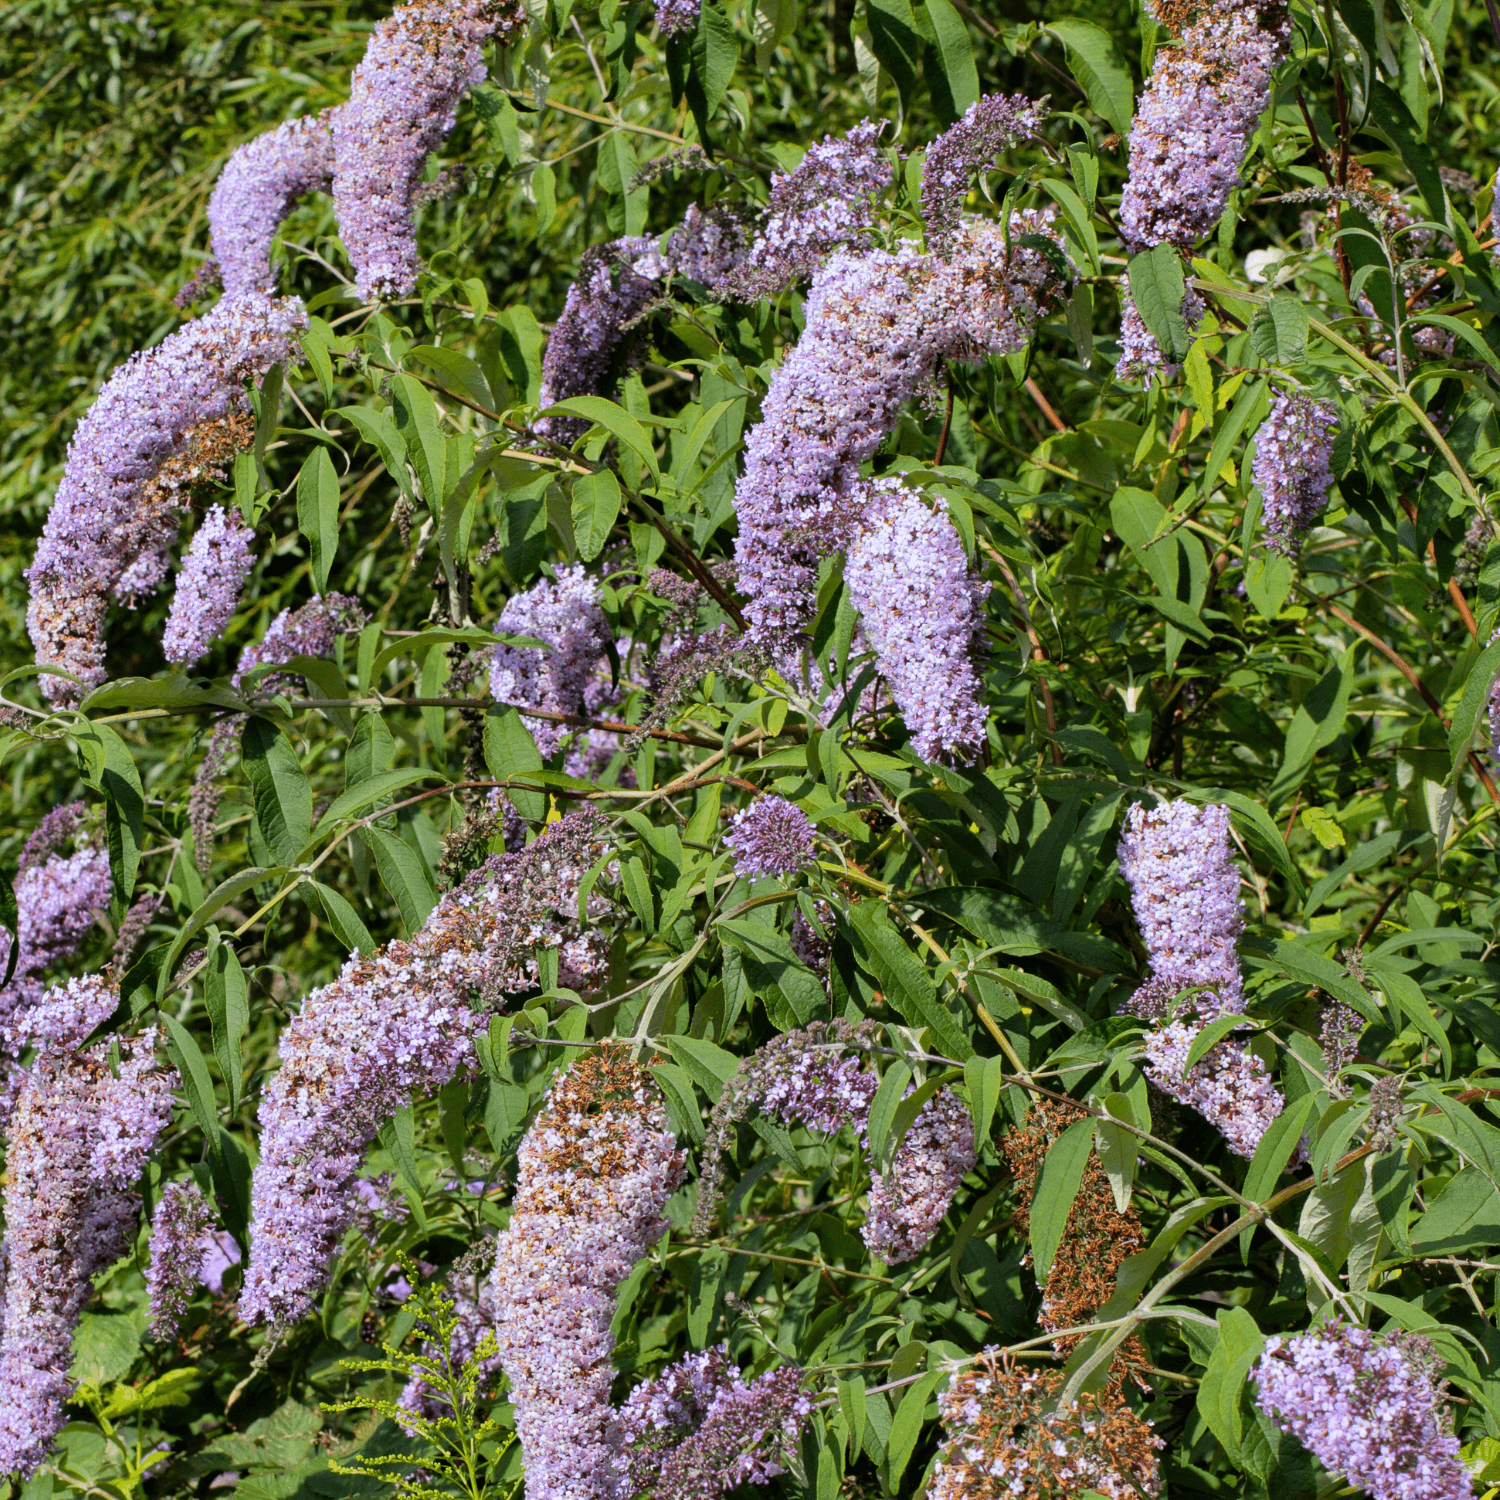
1116 524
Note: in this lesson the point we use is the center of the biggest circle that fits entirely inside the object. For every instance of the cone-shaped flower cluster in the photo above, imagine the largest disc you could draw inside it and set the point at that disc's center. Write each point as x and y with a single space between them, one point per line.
403 99
596 1169
923 613
400 1022
1368 1407
1184 890
877 326
79 1137
1292 468
181 1238
165 419
208 587
990 125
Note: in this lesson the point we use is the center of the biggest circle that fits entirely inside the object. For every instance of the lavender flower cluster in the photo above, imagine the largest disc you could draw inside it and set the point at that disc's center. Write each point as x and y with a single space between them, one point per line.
1184 890
79 1137
313 629
923 613
1368 1406
771 837
989 126
182 1237
877 326
827 202
257 189
591 344
808 1077
596 1169
400 1021
557 676
402 104
208 587
1194 120
118 505
1292 468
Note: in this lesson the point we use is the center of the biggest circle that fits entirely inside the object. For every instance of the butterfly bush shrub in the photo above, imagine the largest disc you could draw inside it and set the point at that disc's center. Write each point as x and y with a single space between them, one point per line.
751 752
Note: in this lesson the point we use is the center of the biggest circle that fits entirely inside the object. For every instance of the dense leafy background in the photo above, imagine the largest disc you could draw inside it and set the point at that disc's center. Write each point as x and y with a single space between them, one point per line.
1195 665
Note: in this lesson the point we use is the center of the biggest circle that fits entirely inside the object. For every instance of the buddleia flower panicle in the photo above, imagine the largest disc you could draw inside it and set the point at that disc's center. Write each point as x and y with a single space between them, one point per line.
1194 119
1292 467
78 1138
1367 1406
313 629
1338 1036
54 831
1386 1109
565 615
990 125
166 417
181 1237
399 1022
260 184
594 341
910 1201
876 327
1005 1439
826 203
208 588
923 613
770 838
1229 1086
699 1429
809 1076
1185 893
1141 356
596 1169
403 101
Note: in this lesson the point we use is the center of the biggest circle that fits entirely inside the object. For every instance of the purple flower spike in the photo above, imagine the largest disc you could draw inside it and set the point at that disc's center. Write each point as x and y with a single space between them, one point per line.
400 1021
923 614
181 1237
403 101
1194 121
1293 449
909 1202
990 125
1368 1407
78 1138
165 418
260 183
770 837
208 588
825 204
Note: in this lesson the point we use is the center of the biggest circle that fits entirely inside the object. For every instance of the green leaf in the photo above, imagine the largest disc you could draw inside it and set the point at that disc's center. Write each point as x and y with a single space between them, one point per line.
1226 440
403 874
377 429
1118 1148
366 793
10 919
984 1079
1157 288
461 371
1273 1153
1062 1175
709 1065
398 1136
1390 117
110 769
714 52
318 513
896 43
906 1428
417 419
283 799
510 751
1278 331
883 1106
1478 681
1209 1038
346 922
193 1071
1097 64
956 53
615 420
1463 1220
226 997
596 508
904 977
1240 1344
